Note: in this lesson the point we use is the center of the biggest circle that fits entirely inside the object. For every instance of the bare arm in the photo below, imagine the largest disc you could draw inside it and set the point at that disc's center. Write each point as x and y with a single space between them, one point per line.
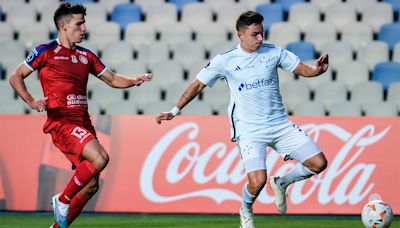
191 92
17 82
320 67
120 81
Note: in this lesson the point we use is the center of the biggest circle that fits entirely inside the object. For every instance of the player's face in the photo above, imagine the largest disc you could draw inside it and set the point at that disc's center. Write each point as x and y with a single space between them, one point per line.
76 28
251 37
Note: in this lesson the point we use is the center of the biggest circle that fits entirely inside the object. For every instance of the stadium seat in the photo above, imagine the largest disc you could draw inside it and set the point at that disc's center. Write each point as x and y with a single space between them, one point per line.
117 51
287 4
162 14
352 73
377 14
314 82
139 33
166 73
131 67
33 85
15 55
340 14
326 6
373 53
106 95
40 5
294 92
386 73
357 33
153 52
94 107
228 17
197 53
283 33
339 52
13 107
90 46
6 91
389 33
197 107
6 32
359 4
80 1
18 15
155 108
252 4
7 4
144 94
193 68
381 109
96 13
346 108
272 13
367 92
304 50
180 3
197 13
2 70
122 107
126 13
101 34
393 94
330 93
210 34
309 108
285 76
396 53
110 4
47 13
175 90
304 15
395 4
33 33
175 33
320 34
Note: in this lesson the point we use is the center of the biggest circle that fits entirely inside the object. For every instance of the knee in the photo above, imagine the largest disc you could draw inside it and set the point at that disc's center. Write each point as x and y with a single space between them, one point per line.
102 161
319 165
257 183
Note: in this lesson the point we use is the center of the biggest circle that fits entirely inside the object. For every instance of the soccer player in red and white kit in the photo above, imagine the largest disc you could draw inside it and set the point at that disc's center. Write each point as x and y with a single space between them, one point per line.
63 72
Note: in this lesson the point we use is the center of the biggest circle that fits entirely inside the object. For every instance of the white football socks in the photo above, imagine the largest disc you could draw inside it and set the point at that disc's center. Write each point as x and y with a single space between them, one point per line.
298 173
247 198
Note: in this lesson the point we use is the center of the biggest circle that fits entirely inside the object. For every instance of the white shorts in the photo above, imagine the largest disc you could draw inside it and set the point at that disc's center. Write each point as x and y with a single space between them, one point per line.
290 142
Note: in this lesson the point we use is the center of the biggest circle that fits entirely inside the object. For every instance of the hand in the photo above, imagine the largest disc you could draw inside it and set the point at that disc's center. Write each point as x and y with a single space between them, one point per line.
164 116
322 64
39 105
142 78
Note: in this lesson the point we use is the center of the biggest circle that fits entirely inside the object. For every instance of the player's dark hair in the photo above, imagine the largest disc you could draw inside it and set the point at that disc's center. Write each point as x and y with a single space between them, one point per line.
66 10
247 18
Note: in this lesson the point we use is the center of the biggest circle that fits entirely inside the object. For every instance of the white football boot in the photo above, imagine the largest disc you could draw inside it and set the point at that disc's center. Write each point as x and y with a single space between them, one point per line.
246 218
280 195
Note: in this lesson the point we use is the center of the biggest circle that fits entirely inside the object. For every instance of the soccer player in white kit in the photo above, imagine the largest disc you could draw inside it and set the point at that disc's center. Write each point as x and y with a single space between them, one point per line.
256 111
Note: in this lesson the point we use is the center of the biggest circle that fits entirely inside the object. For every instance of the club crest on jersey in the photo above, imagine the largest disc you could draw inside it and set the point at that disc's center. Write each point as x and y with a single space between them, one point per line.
83 59
73 59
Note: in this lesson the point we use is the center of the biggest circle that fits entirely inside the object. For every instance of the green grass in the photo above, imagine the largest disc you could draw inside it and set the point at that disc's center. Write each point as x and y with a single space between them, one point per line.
10 219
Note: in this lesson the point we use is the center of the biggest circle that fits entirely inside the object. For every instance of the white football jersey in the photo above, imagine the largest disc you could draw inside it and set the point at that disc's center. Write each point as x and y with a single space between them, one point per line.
252 78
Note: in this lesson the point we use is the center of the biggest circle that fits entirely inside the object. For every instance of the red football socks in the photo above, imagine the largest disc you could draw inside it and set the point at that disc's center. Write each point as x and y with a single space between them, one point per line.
83 173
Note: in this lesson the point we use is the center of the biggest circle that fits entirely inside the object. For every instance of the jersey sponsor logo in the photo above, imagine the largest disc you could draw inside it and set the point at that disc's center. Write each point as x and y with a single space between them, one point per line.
81 52
83 59
73 59
61 58
259 83
76 100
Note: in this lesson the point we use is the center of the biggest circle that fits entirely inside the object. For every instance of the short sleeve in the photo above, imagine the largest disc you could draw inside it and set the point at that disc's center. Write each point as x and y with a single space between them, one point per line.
36 57
287 60
211 72
98 68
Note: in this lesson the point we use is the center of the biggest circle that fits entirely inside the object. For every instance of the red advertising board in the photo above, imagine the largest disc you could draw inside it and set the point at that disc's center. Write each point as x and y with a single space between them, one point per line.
189 165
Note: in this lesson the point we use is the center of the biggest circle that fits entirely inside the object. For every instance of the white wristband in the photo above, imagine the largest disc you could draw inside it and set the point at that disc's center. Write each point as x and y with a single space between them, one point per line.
174 111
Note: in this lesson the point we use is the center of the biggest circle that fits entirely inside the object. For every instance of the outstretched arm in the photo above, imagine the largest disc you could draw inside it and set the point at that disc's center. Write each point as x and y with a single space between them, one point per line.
120 81
17 82
320 67
191 92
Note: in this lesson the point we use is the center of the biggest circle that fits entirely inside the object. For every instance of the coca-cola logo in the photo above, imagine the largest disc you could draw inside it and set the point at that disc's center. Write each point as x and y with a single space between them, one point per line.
346 180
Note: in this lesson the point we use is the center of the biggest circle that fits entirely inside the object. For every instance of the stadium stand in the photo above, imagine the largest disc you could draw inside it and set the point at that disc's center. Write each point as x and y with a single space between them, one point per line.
197 107
121 107
148 93
380 109
361 37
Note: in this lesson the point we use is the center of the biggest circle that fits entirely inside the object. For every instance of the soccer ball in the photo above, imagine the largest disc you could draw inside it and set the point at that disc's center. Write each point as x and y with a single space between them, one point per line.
377 214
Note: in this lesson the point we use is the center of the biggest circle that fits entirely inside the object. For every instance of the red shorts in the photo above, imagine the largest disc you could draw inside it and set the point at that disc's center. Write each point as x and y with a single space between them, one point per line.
71 139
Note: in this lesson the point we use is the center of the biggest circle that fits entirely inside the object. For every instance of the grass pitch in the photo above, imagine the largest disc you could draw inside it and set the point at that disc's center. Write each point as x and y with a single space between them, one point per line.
11 220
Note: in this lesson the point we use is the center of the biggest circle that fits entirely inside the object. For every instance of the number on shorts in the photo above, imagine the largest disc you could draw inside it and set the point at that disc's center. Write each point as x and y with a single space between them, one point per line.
79 132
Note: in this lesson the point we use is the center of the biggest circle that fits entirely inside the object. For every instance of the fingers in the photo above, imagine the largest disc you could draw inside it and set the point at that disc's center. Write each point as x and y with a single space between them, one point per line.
164 116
